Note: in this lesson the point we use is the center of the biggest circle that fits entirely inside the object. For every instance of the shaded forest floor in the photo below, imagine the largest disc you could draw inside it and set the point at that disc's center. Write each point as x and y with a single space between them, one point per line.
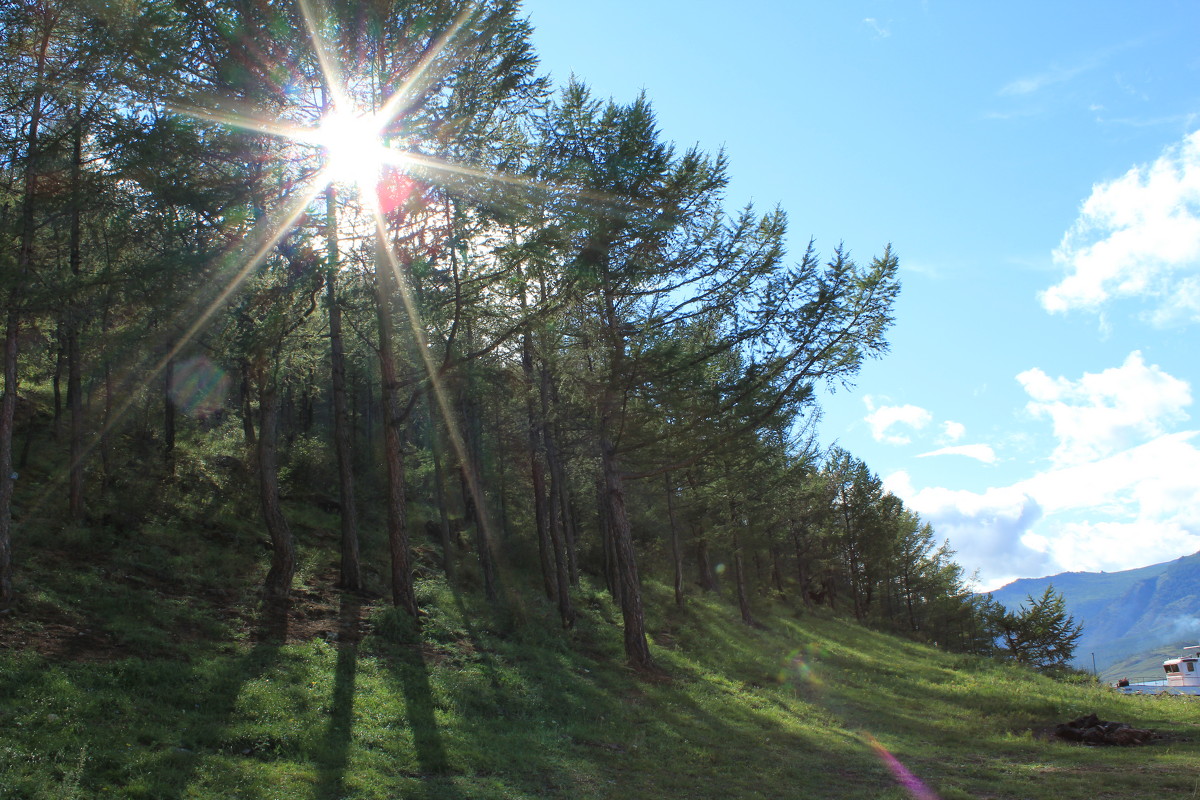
124 675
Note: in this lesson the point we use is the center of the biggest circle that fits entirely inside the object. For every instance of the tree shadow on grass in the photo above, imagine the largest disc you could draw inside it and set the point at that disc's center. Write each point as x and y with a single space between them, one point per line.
213 691
335 758
409 669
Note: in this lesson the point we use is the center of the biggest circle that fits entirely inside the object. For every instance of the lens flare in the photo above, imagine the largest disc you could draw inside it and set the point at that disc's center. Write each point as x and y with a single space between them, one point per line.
198 387
797 667
903 775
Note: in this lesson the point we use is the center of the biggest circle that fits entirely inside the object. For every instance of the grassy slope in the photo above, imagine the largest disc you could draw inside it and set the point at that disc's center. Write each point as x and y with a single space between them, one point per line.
479 706
129 668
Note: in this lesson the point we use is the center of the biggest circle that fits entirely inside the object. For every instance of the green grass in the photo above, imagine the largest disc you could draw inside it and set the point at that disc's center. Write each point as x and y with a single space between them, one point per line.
129 668
486 703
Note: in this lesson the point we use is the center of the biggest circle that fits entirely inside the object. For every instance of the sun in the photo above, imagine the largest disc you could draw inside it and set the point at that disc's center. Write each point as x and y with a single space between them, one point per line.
354 148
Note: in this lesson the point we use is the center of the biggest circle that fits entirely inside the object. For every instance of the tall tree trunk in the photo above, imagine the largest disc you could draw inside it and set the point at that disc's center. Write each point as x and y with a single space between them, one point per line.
74 323
777 568
246 406
8 408
278 585
708 575
60 360
470 472
170 414
739 572
740 580
350 577
75 406
676 551
439 481
557 512
403 595
12 328
537 476
802 574
562 489
637 648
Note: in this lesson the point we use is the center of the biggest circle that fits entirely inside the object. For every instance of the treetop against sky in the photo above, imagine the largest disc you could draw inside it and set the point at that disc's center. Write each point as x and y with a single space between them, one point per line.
1037 169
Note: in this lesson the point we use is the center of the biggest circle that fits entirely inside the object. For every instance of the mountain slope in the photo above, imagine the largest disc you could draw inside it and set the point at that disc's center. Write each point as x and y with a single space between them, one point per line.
1123 613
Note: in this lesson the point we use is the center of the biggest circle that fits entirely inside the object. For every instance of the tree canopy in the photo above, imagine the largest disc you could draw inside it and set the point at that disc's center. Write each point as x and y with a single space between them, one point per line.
522 341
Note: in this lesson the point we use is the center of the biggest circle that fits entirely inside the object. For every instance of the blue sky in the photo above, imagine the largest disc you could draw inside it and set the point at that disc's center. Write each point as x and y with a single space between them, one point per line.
1036 167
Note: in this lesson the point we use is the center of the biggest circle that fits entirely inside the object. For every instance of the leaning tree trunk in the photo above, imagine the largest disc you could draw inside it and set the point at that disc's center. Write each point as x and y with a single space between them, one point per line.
637 648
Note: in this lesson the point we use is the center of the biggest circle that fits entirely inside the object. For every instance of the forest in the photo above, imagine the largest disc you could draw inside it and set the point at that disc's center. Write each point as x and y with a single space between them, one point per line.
264 259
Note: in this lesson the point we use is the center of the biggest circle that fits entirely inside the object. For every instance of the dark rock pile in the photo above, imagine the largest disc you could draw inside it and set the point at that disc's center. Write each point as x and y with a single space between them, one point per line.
1093 730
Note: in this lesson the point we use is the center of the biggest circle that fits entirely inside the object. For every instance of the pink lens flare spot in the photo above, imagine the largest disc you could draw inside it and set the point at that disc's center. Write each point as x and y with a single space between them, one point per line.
910 782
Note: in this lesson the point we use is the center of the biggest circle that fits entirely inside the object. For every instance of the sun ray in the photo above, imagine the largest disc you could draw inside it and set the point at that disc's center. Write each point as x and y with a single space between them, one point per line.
437 390
247 122
334 82
408 89
430 164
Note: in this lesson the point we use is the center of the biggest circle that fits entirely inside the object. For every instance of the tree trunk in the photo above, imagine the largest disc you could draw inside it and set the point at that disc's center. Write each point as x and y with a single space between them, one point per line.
401 568
708 576
777 568
676 551
8 407
637 648
12 329
556 511
247 407
537 476
74 323
75 407
60 360
469 472
562 491
802 574
350 577
739 576
278 585
439 480
170 413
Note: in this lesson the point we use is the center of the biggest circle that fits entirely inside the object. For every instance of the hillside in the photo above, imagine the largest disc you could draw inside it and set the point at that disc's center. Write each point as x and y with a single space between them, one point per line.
117 682
1124 613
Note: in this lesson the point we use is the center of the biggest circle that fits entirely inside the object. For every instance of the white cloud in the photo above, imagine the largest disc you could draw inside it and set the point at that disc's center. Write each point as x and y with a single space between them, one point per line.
985 529
880 31
1123 490
979 452
1107 411
883 419
1106 546
1137 236
1158 481
1135 507
953 431
1032 83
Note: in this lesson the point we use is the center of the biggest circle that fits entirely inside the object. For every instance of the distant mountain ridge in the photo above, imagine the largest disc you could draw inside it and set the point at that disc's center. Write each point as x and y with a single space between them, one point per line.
1123 613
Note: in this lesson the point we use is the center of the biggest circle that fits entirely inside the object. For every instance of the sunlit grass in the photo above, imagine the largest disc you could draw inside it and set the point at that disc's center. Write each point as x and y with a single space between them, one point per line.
497 701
